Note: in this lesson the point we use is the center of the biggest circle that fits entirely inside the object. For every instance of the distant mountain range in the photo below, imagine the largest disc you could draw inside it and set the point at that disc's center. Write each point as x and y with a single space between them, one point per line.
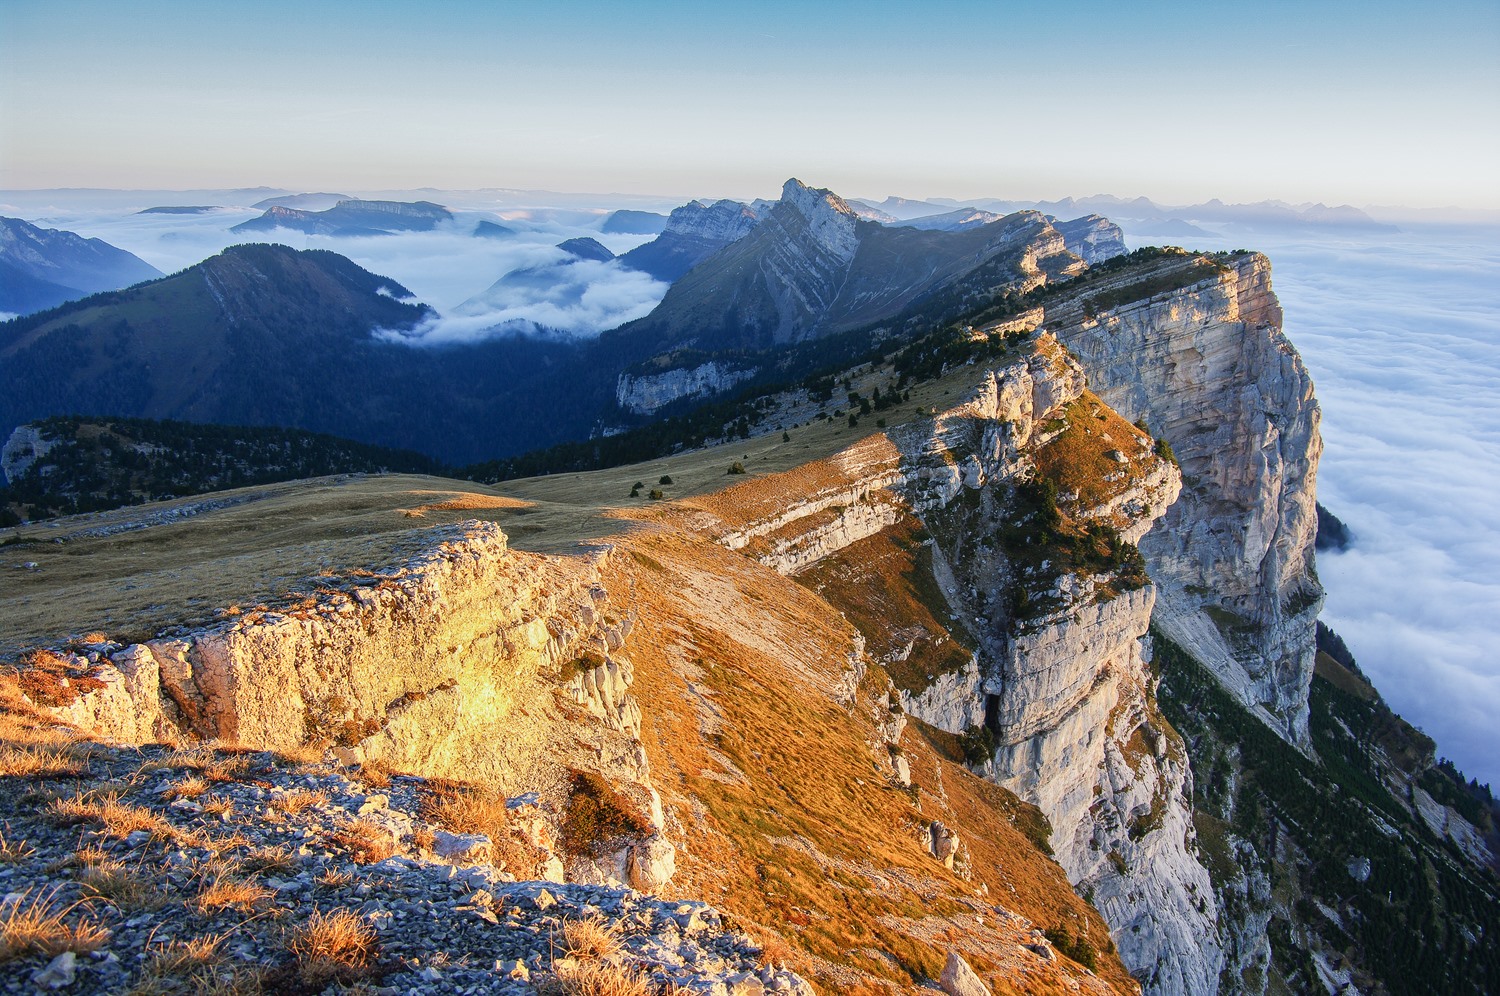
43 267
265 335
809 266
630 222
692 233
353 217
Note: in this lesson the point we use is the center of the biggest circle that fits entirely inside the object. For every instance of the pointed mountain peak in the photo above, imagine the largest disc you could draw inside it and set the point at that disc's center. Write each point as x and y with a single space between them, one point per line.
814 200
831 221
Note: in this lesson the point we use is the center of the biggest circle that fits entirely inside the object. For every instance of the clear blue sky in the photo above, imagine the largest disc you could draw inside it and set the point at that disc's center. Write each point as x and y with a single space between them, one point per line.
1369 102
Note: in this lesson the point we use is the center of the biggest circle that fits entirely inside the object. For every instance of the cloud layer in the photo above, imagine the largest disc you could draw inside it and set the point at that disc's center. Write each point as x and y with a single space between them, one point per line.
444 268
1402 336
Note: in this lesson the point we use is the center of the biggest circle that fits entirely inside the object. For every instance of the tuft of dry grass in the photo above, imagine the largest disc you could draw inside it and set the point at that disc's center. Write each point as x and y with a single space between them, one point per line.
465 809
217 805
334 878
270 860
375 775
39 761
179 759
117 818
366 842
125 887
332 947
227 891
308 753
423 839
34 924
225 769
189 788
196 966
591 938
295 802
596 978
11 851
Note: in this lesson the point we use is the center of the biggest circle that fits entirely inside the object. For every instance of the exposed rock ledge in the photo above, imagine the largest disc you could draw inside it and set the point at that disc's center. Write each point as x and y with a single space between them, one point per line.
416 669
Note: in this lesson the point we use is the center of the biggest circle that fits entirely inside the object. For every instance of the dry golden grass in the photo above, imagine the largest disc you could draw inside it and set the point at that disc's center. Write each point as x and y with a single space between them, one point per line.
594 978
271 860
180 759
374 774
299 800
118 819
188 788
423 839
225 769
198 967
217 805
463 808
13 851
334 878
39 761
824 870
308 753
367 843
226 891
36 924
1076 459
591 938
462 502
332 947
125 887
884 585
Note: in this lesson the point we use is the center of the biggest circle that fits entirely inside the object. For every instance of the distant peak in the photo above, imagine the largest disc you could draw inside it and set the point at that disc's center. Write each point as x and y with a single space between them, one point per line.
813 200
831 221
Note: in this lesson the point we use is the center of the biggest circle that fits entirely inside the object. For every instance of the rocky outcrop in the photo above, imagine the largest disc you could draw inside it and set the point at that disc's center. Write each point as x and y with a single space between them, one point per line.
1207 366
645 393
1093 238
416 670
24 448
692 233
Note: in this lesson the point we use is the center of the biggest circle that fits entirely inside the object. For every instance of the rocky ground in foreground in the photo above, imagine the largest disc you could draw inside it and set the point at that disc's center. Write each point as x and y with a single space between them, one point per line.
161 870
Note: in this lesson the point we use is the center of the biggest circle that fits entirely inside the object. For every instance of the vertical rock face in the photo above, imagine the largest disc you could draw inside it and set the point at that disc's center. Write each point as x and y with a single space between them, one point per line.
1060 678
1093 237
1210 370
644 393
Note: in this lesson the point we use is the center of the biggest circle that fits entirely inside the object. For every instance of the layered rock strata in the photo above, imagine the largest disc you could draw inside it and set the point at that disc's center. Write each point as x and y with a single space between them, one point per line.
416 668
1208 368
1065 692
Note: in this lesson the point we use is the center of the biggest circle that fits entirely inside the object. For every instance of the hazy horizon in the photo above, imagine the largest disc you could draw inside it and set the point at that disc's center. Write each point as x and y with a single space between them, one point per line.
1332 103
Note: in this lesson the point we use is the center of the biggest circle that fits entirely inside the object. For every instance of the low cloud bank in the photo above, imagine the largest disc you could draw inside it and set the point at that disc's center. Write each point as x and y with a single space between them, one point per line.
445 268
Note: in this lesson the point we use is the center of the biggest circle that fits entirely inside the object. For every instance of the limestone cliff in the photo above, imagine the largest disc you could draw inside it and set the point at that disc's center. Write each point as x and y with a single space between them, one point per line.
415 668
644 392
1058 687
1207 367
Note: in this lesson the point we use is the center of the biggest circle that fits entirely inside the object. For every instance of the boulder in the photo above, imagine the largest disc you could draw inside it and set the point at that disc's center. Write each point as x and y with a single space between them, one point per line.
958 979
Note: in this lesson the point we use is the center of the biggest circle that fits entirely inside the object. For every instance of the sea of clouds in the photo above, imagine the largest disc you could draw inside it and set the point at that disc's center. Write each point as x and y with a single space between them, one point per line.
458 274
1401 333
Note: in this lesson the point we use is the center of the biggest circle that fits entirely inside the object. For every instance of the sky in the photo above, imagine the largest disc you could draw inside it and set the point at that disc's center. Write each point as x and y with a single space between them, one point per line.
1367 102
